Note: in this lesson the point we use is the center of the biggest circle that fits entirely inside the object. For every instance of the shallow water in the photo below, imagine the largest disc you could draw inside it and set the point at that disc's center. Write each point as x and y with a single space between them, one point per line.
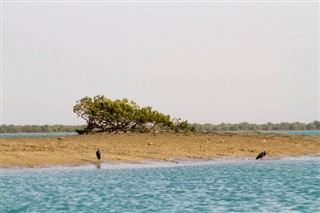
221 185
299 132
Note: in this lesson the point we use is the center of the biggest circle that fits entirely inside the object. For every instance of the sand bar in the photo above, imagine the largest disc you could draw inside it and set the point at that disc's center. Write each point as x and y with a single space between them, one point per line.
80 149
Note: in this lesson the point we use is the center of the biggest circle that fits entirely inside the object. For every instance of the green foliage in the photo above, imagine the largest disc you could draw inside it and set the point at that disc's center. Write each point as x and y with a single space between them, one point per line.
245 126
179 124
102 114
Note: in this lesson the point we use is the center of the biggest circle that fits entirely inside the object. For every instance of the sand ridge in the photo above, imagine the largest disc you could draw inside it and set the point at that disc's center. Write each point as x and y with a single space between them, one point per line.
79 149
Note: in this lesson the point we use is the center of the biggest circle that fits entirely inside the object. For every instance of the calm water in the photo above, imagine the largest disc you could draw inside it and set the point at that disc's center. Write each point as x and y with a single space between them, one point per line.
313 132
232 185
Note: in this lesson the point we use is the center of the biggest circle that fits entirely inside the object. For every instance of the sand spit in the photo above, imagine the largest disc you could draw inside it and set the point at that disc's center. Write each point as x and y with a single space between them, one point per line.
80 149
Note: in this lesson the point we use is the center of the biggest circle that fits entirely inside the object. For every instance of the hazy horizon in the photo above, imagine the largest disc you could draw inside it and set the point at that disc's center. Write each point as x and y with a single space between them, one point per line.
203 62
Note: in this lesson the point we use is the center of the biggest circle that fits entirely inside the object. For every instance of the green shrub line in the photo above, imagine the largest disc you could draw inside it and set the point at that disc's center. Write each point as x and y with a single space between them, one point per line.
105 115
284 126
245 126
57 128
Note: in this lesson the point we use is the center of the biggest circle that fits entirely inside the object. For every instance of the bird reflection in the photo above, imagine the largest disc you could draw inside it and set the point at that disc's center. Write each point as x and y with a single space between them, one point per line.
98 165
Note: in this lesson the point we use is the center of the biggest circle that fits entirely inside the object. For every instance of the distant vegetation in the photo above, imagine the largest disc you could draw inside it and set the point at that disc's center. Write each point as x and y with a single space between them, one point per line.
245 126
38 128
198 127
104 115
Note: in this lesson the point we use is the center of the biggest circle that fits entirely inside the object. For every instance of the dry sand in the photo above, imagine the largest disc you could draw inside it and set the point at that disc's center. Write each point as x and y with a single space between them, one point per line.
80 149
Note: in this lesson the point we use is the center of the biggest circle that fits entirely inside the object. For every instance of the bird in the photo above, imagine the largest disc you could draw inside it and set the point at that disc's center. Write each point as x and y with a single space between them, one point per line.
261 155
98 153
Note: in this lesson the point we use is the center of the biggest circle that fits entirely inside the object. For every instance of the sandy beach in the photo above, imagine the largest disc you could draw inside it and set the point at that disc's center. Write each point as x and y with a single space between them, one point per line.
80 149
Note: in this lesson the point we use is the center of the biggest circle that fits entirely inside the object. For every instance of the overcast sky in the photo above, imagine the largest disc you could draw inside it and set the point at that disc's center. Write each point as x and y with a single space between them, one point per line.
203 62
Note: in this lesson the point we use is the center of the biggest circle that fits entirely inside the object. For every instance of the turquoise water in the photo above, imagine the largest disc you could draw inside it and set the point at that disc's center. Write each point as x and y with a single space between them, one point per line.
312 132
222 185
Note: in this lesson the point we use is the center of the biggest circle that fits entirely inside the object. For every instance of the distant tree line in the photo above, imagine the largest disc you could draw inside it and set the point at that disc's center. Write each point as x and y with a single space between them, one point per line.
245 126
283 126
38 128
105 115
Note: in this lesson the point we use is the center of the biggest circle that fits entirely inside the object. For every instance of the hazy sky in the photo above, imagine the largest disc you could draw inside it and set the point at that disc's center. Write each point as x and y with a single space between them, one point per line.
204 62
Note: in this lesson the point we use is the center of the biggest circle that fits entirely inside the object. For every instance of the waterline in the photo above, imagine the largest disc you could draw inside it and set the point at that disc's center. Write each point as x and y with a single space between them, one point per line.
284 185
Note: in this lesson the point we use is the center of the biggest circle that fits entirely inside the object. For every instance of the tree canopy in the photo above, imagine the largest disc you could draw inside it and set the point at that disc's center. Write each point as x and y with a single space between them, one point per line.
104 115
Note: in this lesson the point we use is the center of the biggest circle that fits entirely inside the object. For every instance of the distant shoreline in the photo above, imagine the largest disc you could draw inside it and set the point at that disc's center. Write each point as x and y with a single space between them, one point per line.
57 134
222 127
130 147
36 134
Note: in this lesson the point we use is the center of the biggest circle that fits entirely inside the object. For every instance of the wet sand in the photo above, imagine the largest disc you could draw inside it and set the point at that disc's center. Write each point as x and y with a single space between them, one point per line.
80 149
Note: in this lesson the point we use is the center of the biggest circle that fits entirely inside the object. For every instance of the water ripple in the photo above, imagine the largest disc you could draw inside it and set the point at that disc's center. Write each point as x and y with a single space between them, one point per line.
287 185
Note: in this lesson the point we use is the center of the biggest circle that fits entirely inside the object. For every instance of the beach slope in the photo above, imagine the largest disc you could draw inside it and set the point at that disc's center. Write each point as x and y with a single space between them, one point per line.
80 149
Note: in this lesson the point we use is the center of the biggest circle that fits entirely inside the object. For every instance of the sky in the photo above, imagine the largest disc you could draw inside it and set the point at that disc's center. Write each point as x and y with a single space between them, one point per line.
205 62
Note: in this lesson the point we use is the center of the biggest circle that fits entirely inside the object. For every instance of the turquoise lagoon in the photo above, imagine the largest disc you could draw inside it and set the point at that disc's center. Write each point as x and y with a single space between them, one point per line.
288 184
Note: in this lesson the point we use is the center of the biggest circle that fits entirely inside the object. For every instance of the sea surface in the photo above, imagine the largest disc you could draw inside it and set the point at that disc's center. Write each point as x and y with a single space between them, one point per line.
304 132
287 184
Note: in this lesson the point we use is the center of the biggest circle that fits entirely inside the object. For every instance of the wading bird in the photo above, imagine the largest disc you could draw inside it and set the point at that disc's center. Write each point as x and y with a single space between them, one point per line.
98 153
261 155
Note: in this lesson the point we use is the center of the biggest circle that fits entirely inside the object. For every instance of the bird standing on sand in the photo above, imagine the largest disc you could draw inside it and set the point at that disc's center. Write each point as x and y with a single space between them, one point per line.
261 155
98 153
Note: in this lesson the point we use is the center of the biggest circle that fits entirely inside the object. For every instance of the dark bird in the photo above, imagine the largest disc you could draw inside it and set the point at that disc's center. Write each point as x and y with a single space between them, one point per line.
98 153
261 155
